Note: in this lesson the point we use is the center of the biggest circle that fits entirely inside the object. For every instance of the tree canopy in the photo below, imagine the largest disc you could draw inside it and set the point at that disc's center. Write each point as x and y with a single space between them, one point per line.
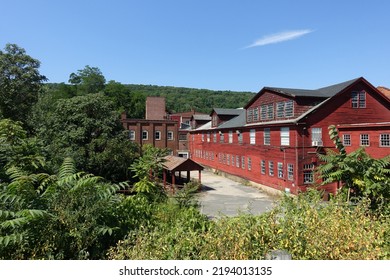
20 82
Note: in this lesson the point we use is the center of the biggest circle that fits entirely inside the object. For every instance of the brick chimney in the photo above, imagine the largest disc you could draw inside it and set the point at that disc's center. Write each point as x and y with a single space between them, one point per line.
155 108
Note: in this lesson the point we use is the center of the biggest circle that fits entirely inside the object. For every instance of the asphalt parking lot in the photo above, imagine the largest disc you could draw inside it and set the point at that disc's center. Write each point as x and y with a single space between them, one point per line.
221 196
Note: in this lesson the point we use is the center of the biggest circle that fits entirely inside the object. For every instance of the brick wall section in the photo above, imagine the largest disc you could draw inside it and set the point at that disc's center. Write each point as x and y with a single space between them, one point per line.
155 108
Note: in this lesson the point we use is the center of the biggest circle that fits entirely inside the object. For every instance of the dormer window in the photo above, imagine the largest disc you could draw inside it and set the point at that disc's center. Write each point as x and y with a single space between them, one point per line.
358 99
214 120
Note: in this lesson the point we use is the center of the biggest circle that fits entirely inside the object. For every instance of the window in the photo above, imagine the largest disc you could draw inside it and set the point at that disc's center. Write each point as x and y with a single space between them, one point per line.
202 137
284 136
270 111
157 135
316 136
221 137
384 140
280 170
271 168
249 115
239 134
347 139
263 112
243 162
208 136
228 159
290 171
144 135
285 109
237 161
252 135
289 109
262 165
215 137
170 135
256 114
280 109
308 175
230 136
358 99
132 135
364 140
249 164
214 120
267 136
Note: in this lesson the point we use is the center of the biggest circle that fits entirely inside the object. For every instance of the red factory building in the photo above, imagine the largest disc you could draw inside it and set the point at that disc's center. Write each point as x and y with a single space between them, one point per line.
273 141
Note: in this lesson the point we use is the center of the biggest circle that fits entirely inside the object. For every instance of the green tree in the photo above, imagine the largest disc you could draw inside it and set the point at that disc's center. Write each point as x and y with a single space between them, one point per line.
70 215
87 129
357 172
20 82
88 80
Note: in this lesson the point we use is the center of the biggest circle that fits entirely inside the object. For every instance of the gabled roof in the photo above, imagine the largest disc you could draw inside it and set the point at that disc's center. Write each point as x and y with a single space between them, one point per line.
228 112
238 121
201 117
173 163
321 93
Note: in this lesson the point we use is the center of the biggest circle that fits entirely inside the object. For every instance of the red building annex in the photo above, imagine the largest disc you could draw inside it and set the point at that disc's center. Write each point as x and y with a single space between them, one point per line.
274 139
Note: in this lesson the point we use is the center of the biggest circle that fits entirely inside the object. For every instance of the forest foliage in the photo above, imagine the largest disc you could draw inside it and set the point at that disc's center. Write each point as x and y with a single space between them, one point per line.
65 161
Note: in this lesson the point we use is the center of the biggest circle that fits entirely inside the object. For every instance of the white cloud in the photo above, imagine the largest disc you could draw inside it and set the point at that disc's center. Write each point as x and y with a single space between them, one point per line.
279 37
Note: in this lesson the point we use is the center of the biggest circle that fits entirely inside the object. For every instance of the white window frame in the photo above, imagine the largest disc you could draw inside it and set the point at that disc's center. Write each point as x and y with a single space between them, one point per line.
267 136
262 167
384 140
280 170
285 136
170 135
249 163
230 136
347 140
252 136
132 134
290 171
145 135
157 135
364 140
271 168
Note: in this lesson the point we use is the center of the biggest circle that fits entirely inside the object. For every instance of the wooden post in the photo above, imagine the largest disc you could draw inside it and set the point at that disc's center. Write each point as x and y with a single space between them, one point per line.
188 176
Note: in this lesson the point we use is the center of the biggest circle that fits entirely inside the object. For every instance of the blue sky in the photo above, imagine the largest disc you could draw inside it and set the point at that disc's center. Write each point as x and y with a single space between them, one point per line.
222 45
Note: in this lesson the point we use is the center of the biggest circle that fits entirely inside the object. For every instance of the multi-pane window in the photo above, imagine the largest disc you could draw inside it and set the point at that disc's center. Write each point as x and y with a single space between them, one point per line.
384 140
239 134
280 170
262 165
144 135
215 137
249 115
290 171
183 136
308 173
285 109
347 139
252 136
237 161
263 112
221 137
202 137
157 135
316 134
280 109
364 140
271 168
132 135
267 136
249 163
255 114
228 159
170 135
284 136
214 119
270 111
358 99
208 136
242 162
230 136
289 109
